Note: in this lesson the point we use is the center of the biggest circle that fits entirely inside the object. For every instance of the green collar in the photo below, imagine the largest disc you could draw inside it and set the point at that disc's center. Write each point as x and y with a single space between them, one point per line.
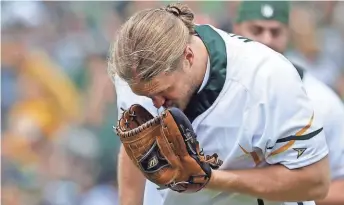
216 48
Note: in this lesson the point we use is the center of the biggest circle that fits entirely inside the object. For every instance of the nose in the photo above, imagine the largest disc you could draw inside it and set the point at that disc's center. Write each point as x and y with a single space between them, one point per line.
158 101
267 39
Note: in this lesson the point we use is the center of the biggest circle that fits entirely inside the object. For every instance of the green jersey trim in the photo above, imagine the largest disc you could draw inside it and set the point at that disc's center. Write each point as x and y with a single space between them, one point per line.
216 48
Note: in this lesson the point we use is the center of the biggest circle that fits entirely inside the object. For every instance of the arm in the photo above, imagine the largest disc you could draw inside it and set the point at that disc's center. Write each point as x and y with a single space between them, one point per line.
335 195
131 182
275 183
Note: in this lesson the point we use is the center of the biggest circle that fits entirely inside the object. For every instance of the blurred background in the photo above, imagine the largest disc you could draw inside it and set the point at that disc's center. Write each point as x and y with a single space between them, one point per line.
58 105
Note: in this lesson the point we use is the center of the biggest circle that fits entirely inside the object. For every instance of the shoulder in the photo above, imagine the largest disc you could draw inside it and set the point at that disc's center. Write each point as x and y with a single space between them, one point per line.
230 39
253 64
241 52
269 85
269 74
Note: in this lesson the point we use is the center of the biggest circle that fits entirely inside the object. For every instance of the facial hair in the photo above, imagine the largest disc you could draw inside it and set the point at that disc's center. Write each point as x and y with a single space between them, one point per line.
190 92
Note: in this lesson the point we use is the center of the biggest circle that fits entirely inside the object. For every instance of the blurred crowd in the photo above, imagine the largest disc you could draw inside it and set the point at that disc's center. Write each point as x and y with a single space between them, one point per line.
58 104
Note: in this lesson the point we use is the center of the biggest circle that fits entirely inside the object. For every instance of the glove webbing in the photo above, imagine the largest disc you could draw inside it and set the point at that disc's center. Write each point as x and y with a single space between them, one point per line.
138 129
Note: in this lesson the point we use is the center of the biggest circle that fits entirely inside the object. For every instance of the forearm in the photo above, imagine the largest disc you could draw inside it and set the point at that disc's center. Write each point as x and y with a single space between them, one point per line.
130 180
335 195
275 182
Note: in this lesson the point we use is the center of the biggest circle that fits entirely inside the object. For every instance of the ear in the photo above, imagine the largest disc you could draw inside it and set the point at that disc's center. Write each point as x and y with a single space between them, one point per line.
189 55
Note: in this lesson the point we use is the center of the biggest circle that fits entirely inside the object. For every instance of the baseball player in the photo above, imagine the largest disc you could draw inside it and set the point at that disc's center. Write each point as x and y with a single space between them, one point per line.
267 22
246 103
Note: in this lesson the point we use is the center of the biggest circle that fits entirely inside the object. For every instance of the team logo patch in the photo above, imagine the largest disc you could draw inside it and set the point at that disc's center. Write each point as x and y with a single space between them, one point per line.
267 11
300 151
152 162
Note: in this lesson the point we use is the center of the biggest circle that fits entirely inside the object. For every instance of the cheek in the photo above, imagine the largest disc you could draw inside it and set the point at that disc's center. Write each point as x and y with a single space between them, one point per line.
285 39
178 91
282 40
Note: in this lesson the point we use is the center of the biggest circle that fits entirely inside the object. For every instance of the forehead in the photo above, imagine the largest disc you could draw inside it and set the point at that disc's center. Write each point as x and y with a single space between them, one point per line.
267 24
151 87
145 88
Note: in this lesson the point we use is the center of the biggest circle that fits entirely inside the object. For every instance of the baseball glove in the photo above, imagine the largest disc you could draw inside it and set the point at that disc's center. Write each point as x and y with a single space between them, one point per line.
165 149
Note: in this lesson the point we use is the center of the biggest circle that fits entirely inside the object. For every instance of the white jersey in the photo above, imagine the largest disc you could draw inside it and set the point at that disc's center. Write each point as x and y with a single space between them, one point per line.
329 105
253 111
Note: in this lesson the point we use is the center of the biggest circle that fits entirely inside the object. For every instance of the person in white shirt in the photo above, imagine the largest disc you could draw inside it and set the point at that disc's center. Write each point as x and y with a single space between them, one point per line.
267 22
245 101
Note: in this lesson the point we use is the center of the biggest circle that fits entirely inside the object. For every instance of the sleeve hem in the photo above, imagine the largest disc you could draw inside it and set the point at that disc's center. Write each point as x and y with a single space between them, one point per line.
306 162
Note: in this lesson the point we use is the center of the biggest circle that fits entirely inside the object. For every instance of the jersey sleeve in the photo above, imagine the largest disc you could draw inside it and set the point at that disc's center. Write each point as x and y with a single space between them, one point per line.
126 98
290 132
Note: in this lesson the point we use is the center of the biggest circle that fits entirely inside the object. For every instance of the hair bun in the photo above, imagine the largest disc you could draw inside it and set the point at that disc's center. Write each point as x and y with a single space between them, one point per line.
184 13
173 10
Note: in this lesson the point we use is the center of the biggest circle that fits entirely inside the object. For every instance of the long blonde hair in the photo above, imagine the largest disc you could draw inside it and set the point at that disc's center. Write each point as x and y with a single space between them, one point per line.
150 42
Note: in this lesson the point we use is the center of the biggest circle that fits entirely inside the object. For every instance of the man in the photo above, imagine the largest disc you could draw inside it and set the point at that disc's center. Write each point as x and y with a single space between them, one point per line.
267 22
245 101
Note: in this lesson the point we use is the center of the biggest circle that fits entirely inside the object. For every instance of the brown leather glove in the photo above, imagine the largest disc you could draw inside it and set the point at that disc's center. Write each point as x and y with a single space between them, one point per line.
165 149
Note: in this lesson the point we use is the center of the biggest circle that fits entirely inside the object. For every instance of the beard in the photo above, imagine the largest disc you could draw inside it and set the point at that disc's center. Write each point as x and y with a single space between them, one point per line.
189 89
189 93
